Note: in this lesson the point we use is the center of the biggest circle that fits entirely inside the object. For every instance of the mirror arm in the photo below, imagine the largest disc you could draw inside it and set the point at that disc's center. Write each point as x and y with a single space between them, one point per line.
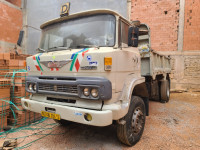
20 38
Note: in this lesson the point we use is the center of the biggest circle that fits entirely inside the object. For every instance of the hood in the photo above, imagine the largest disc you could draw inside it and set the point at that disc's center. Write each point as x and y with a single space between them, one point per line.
76 62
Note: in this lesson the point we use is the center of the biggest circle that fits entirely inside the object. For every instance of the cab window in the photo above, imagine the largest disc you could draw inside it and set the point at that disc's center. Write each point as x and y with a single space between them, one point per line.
123 34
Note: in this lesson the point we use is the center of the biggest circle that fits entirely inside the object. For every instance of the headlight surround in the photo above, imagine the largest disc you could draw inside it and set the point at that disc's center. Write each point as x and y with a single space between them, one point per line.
94 93
31 87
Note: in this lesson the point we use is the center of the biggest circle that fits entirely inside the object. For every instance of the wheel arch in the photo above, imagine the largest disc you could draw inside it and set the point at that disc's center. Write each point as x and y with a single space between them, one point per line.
141 91
134 86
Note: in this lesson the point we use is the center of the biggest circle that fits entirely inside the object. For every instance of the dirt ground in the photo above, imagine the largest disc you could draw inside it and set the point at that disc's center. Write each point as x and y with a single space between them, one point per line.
174 125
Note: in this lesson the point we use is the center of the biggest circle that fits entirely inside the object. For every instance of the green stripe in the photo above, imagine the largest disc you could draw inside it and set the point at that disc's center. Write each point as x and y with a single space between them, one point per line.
74 59
38 63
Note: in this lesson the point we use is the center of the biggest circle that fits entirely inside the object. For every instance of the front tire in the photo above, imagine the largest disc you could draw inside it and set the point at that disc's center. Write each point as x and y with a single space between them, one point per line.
131 132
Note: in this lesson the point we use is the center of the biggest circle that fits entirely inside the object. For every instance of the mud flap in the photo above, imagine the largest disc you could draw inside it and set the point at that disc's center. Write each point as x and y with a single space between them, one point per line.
146 102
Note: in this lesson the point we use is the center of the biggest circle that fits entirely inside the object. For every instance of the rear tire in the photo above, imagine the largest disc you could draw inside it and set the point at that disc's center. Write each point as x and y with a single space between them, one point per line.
131 132
164 91
63 122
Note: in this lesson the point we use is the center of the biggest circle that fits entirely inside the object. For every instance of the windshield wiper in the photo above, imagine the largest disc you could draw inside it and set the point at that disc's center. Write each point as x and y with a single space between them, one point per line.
85 45
59 48
40 49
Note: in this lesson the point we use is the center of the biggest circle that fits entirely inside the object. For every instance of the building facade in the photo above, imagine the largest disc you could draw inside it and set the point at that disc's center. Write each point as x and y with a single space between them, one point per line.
175 31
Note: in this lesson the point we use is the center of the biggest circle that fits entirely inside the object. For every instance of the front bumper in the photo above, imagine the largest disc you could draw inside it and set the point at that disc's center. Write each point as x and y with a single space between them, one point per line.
99 118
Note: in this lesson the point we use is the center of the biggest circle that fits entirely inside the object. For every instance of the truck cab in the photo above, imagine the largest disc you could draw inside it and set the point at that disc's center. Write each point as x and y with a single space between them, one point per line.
88 70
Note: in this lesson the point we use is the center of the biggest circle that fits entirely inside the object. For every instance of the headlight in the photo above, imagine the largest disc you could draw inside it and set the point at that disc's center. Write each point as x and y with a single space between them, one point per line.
86 91
34 87
30 87
94 93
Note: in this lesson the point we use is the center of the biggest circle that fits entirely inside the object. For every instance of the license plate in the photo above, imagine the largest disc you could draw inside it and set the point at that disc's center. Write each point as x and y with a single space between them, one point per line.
50 115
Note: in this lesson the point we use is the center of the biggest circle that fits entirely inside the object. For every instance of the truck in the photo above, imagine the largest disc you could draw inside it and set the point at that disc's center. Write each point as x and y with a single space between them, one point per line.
97 68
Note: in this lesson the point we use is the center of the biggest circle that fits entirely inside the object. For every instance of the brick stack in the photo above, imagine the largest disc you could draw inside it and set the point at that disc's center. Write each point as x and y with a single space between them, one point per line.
10 64
4 102
24 117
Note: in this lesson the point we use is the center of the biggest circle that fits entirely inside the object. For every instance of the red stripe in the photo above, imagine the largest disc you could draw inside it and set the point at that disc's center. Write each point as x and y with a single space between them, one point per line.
83 53
34 58
38 68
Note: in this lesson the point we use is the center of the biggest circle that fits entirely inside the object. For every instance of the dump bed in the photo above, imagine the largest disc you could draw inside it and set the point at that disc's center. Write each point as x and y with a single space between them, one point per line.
152 63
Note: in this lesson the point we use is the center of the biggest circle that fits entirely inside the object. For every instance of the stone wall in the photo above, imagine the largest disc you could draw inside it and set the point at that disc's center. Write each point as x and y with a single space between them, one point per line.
185 75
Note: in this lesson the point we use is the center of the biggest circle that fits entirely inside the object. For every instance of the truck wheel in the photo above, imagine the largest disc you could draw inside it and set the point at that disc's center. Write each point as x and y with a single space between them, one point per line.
131 132
164 91
63 122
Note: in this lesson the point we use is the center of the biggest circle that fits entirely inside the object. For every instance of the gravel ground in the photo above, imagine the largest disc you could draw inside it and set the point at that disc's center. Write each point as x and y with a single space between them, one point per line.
174 125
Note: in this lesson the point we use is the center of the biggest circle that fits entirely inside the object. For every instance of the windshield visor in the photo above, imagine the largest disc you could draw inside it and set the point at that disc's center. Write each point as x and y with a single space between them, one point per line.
98 30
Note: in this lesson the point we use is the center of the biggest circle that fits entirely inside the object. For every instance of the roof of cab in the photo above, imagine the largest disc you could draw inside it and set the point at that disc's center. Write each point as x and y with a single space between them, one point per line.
81 14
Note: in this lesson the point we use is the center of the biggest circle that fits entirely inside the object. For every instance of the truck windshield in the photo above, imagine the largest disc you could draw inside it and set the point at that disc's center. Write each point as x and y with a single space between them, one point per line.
98 30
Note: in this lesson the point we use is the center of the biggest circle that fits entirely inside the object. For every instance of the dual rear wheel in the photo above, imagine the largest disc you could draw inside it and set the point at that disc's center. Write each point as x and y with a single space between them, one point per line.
164 91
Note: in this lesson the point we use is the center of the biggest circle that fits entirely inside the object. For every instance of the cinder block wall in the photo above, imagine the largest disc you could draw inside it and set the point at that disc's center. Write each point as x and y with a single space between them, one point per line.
10 24
163 18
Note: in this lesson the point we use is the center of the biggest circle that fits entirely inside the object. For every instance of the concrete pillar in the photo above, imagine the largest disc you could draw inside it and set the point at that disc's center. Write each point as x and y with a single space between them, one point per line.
129 10
181 25
24 11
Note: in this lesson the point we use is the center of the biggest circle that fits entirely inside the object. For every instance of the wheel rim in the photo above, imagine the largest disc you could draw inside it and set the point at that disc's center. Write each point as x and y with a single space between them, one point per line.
137 120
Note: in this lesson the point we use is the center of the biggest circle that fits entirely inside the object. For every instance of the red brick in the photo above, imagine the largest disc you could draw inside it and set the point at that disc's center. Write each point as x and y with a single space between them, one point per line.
10 23
163 26
192 26
15 2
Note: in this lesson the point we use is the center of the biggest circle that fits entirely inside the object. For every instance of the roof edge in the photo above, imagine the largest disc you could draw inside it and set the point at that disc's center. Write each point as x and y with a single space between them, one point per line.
81 14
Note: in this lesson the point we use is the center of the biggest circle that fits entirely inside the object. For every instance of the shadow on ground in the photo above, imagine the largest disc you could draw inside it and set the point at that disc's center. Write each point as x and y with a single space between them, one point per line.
174 125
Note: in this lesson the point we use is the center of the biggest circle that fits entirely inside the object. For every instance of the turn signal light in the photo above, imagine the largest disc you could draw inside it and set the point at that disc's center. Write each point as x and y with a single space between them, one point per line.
108 63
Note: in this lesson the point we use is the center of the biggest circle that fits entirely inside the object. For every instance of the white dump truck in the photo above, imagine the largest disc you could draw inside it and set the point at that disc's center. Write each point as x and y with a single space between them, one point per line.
97 68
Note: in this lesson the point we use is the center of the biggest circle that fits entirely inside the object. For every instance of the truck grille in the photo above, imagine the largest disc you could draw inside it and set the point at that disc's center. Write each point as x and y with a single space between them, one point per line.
58 88
61 100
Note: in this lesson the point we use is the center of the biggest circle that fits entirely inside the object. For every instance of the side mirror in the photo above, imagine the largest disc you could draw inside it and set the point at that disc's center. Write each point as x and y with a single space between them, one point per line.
20 38
133 35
